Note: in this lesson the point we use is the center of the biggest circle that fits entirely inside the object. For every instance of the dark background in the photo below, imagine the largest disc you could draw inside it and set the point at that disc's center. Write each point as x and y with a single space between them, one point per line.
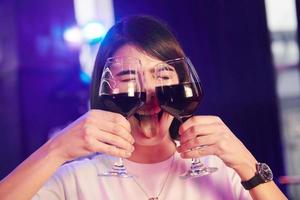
228 41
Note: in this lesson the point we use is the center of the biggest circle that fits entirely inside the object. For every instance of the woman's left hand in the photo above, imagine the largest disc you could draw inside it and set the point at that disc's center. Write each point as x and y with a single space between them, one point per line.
208 135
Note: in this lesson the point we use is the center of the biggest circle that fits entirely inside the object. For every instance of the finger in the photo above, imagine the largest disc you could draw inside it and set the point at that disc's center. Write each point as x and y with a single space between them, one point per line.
199 152
199 130
117 130
199 141
91 133
112 117
114 140
198 120
109 149
91 143
113 128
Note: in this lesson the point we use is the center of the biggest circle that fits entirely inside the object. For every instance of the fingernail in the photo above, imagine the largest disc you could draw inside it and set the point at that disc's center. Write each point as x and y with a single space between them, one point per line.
131 148
127 154
131 140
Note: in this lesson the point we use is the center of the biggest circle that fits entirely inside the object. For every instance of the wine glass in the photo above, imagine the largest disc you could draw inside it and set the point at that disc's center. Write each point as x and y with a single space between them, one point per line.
179 93
121 91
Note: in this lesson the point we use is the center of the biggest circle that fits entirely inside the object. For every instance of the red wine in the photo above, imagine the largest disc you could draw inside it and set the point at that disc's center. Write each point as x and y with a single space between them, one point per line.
179 100
121 103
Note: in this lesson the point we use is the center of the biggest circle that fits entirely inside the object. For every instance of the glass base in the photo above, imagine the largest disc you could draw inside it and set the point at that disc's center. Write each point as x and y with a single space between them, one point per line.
198 169
198 173
117 170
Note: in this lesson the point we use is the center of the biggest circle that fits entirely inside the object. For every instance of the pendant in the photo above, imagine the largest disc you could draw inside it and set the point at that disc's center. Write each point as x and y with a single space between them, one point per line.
153 198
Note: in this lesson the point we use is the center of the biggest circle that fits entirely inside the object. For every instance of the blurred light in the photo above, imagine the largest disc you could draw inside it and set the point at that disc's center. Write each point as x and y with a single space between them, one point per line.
93 32
85 78
94 10
87 57
73 35
86 12
281 15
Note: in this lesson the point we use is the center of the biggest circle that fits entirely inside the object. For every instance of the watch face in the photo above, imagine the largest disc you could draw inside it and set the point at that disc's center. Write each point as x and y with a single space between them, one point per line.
265 172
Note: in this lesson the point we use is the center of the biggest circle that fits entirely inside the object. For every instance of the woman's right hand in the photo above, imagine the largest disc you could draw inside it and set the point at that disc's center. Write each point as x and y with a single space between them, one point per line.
96 131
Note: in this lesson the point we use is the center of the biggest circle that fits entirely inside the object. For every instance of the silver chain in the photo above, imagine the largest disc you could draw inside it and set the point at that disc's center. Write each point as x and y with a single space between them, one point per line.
163 186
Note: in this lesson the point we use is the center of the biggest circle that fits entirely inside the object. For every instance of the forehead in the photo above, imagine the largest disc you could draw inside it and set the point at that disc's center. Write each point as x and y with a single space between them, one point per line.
131 51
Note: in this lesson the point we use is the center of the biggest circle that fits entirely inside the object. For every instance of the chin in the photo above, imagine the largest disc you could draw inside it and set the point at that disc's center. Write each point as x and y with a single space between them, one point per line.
150 141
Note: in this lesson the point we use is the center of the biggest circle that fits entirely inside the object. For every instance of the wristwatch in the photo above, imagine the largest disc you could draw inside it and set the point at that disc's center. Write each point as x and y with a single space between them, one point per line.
263 174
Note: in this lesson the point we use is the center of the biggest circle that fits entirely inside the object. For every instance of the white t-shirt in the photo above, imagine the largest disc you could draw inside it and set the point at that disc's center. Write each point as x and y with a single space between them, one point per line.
80 180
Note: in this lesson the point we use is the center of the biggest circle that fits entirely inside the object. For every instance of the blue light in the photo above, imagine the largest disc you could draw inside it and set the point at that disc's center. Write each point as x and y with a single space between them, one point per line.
93 32
85 78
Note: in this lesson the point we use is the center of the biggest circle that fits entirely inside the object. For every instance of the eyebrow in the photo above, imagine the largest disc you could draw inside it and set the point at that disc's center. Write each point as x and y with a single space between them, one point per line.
126 72
167 68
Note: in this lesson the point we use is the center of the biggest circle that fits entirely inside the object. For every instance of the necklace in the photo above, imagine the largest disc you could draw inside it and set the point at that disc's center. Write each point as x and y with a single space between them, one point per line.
161 189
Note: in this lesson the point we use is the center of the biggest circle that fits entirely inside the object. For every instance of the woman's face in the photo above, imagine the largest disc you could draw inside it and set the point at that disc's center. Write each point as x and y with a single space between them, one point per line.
150 125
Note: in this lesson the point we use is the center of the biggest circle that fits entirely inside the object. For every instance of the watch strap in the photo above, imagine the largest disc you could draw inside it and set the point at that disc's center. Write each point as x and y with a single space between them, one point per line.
253 182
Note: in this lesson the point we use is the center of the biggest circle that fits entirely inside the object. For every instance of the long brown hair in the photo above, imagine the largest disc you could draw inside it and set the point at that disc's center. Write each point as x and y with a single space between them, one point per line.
150 35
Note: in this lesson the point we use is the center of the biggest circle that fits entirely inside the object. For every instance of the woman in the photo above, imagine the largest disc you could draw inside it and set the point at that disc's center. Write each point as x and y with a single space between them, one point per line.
146 140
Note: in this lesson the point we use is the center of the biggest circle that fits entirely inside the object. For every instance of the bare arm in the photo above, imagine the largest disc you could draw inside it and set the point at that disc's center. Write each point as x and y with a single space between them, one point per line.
266 191
96 131
217 139
28 177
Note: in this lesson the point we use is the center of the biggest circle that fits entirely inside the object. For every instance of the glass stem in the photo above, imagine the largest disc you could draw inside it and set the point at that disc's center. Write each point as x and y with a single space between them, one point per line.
195 160
184 118
196 164
120 162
